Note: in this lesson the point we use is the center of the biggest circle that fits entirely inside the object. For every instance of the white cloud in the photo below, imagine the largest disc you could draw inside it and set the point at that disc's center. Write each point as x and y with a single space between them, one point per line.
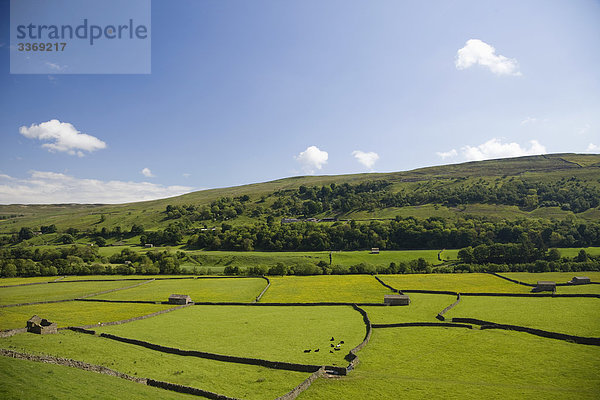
593 148
367 159
52 188
55 67
529 120
479 52
147 173
312 158
447 154
494 148
64 136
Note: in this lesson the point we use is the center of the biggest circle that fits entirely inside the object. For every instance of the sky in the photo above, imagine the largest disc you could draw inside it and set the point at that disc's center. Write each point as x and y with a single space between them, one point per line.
250 91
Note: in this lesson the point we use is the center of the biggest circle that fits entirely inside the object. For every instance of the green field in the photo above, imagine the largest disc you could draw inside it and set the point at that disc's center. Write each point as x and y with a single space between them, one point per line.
452 363
75 313
414 363
56 291
272 333
218 289
18 281
237 380
465 283
558 277
574 316
422 308
325 288
45 381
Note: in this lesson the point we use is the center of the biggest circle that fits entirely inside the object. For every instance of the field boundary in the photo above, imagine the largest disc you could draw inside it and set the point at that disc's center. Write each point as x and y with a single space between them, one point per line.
440 315
263 291
422 324
351 356
538 332
281 365
386 285
292 394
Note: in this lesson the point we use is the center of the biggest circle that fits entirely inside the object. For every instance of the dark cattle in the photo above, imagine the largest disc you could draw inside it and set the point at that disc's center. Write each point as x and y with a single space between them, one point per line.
332 339
307 351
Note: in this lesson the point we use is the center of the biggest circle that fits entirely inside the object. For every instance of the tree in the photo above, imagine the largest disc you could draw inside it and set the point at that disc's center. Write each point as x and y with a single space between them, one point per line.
25 233
66 239
581 256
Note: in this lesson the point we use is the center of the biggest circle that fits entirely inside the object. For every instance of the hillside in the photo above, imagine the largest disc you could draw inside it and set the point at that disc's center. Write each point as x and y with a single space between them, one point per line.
546 169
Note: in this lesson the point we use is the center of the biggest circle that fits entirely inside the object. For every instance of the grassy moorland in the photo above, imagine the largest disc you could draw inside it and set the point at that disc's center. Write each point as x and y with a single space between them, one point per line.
217 289
36 380
574 316
325 288
236 380
56 291
273 333
75 313
452 363
453 282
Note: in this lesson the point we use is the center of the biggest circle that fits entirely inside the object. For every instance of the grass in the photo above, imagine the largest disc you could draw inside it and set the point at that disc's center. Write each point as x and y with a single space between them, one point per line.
422 308
55 291
75 313
452 363
20 379
558 277
476 282
325 288
128 277
574 316
236 380
273 333
219 289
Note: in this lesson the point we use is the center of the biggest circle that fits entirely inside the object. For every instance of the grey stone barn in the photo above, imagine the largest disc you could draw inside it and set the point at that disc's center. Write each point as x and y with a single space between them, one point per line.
179 299
580 280
545 286
396 299
41 326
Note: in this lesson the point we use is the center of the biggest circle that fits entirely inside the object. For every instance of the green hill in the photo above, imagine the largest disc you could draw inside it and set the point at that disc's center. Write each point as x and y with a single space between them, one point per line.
428 192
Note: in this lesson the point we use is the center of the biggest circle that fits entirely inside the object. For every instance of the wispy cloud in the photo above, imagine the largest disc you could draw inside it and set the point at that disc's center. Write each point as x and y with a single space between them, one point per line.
43 187
147 173
55 67
64 136
312 159
367 159
494 148
478 52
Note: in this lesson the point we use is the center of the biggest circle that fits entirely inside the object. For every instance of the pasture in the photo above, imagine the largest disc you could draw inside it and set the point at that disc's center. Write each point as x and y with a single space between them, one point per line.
464 283
57 291
202 289
268 332
409 362
325 288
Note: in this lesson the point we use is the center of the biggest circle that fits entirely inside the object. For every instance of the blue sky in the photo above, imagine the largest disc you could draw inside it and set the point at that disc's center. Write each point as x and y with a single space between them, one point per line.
250 91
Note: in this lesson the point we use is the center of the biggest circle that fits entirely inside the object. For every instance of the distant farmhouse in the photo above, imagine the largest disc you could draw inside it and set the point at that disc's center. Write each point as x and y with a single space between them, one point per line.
375 250
545 286
580 280
41 326
179 299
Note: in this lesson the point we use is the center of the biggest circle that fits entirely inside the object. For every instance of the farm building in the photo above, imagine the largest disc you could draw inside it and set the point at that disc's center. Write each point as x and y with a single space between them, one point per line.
179 299
580 280
40 326
545 286
148 245
375 250
396 299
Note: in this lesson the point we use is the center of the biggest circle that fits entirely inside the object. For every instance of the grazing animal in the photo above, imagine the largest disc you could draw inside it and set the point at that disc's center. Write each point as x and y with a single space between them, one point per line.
317 350
332 339
341 342
307 351
332 345
336 349
331 351
337 346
